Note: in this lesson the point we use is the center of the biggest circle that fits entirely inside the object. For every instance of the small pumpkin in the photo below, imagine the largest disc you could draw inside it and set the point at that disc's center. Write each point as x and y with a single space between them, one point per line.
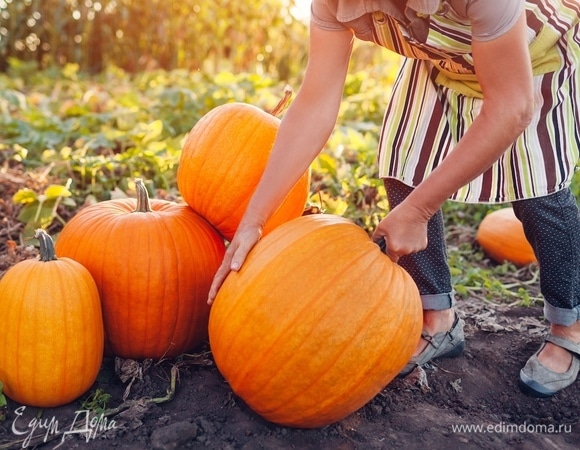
153 262
222 161
315 324
52 337
501 236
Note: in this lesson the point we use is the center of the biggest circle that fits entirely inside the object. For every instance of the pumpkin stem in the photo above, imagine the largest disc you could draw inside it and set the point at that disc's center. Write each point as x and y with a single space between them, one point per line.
46 245
283 101
143 204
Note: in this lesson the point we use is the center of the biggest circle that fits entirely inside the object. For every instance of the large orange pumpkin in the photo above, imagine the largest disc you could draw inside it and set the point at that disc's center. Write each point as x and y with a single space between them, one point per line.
223 159
315 324
501 236
52 337
153 262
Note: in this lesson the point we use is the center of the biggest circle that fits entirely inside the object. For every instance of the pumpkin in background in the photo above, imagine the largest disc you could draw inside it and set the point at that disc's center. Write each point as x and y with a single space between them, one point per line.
153 262
222 161
52 337
501 236
315 324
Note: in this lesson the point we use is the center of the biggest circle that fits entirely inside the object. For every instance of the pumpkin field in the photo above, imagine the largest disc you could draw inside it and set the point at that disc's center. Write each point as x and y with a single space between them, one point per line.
140 180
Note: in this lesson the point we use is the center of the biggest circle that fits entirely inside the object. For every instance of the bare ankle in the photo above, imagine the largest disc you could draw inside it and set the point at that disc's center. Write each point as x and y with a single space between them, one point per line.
436 321
571 332
556 358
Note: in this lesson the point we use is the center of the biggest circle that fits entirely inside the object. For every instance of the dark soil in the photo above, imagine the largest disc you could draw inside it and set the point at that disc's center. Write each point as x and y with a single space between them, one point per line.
425 410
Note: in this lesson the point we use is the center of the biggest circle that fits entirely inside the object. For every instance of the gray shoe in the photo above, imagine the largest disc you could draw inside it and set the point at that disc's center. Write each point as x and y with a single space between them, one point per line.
539 381
446 344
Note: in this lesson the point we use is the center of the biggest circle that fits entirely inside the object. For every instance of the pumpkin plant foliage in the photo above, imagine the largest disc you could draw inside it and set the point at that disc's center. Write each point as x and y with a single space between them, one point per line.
153 262
316 322
52 336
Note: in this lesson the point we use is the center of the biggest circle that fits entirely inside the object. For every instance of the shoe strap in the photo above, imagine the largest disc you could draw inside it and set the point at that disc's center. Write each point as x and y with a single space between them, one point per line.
429 338
565 344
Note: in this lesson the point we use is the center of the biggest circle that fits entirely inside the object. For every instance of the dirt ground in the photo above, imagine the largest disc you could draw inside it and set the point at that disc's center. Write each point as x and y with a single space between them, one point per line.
470 402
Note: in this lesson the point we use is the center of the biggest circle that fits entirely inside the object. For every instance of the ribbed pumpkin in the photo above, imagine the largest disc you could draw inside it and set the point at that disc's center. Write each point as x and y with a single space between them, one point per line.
223 159
315 324
153 262
51 338
501 236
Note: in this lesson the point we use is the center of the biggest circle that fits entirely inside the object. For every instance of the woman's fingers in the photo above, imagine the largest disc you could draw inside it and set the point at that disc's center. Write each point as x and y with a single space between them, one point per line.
234 258
382 243
403 233
219 278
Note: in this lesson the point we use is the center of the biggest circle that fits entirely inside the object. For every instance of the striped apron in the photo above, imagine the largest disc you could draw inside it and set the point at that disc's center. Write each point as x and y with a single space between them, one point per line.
436 97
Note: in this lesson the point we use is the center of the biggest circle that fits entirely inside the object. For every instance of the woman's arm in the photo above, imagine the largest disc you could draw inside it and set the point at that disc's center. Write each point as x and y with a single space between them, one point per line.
504 72
303 132
307 124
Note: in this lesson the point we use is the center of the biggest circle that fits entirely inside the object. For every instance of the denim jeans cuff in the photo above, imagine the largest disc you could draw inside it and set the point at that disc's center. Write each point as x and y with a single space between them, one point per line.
561 316
438 301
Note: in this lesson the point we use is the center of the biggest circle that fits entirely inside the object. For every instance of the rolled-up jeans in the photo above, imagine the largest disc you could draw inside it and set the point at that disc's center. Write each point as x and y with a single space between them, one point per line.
551 224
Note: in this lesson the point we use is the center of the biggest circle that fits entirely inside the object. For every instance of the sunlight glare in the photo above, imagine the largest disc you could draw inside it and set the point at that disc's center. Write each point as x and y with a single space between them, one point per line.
301 9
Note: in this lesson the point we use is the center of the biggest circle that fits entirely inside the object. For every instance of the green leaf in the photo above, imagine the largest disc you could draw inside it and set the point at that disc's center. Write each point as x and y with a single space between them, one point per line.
151 131
37 214
55 191
69 202
326 163
14 97
24 196
70 71
3 404
96 401
2 398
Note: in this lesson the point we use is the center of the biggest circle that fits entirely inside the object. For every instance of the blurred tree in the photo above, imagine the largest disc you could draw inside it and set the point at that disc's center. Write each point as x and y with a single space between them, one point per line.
253 36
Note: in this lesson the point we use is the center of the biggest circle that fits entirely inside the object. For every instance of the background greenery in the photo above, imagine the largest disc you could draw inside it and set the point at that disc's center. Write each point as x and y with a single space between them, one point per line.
251 35
94 94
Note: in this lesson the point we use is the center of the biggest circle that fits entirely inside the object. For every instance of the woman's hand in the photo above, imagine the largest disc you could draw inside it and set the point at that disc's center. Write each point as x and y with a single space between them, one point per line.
404 230
244 240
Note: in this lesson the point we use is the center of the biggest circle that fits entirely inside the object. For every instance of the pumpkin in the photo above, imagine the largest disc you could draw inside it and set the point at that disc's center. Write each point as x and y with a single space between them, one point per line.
153 262
222 161
52 337
501 236
317 321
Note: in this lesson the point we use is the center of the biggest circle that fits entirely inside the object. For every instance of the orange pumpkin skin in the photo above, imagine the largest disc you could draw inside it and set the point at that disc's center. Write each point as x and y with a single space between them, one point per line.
153 270
222 161
315 324
52 337
501 236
